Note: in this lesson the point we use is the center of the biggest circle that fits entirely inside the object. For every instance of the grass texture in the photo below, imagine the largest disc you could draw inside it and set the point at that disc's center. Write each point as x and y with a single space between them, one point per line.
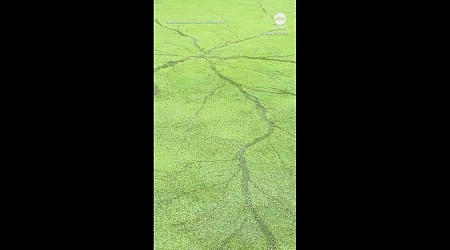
224 125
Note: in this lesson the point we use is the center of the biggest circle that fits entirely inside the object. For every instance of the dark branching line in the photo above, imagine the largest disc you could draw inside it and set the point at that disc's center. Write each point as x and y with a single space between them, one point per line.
200 218
240 156
220 36
194 40
180 46
165 53
241 152
230 237
264 10
285 131
207 97
253 58
222 185
271 198
226 44
250 70
234 33
273 91
171 64
284 165
155 90
191 165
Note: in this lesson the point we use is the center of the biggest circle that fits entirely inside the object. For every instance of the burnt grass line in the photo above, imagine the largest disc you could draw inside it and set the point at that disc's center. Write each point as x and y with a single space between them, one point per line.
168 64
226 44
201 217
254 58
264 10
196 45
277 91
285 131
190 165
155 90
270 198
219 35
234 33
285 166
228 239
240 155
194 40
180 46
220 45
169 201
171 64
165 53
207 97
198 222
250 70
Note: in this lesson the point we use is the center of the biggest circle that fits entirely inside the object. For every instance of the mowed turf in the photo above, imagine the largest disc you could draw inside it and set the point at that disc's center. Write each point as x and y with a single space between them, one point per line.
224 126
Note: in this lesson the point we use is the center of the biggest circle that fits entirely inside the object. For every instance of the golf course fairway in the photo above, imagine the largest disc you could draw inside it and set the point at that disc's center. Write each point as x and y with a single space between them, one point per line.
224 125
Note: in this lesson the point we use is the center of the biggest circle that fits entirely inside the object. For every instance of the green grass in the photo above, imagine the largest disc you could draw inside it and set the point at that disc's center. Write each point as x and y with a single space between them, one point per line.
224 112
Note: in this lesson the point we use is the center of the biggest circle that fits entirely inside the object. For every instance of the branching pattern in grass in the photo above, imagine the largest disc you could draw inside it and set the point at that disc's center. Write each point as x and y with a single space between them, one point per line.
209 202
